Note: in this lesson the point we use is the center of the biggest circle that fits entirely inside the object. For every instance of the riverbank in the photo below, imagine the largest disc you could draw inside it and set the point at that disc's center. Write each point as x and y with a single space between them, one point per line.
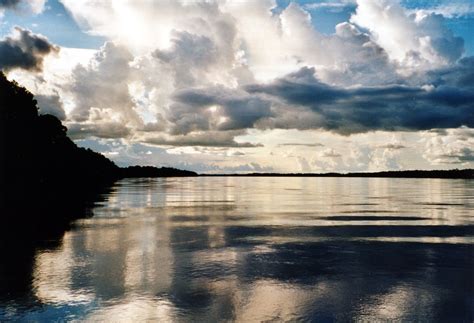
452 174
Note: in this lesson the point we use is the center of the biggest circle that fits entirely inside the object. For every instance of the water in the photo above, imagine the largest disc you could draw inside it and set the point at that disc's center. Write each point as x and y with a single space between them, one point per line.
258 249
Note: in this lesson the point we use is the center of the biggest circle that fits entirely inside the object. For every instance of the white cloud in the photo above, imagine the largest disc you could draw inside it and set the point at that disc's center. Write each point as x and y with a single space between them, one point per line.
449 147
334 6
452 9
101 88
415 41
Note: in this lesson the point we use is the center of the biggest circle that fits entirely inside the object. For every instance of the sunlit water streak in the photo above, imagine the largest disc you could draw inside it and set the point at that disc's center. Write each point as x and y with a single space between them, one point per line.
256 249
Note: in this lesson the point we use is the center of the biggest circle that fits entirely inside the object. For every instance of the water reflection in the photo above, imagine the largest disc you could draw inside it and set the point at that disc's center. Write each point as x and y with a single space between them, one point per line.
257 249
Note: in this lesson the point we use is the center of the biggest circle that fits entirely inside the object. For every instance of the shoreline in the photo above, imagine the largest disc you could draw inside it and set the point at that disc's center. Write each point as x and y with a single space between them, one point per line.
447 174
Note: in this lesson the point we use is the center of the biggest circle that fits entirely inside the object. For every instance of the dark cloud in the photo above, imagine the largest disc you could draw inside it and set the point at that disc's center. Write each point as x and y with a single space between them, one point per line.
9 4
205 139
392 146
300 101
300 88
24 50
301 144
441 132
107 130
353 110
233 110
459 156
458 75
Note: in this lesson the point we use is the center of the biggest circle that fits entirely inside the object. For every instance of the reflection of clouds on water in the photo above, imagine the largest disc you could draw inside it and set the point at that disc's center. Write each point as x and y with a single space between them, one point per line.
270 300
149 260
52 276
135 309
397 302
120 266
250 249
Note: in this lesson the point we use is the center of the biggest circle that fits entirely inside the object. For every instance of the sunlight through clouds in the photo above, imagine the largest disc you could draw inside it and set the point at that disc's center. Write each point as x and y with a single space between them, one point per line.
213 73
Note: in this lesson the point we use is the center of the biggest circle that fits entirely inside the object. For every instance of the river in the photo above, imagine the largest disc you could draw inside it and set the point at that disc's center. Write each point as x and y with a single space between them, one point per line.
253 249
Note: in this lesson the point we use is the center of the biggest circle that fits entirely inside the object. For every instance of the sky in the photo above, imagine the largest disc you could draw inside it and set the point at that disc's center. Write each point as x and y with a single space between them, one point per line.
235 86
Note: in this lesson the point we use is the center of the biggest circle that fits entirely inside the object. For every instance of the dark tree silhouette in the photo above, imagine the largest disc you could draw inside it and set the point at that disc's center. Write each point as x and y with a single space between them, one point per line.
149 171
40 167
451 174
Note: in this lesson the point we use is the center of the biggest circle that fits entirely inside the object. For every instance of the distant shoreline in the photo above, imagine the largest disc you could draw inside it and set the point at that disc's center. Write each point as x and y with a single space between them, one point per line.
450 174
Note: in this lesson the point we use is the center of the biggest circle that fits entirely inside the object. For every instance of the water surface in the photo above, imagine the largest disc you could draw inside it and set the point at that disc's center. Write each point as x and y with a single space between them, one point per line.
257 249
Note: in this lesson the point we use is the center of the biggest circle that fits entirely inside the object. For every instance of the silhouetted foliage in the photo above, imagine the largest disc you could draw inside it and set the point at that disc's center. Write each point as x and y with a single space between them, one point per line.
40 167
148 171
453 173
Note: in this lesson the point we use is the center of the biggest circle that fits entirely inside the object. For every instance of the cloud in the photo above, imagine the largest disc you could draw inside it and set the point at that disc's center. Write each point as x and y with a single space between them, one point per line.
9 3
27 6
330 153
334 6
216 75
105 129
216 108
384 159
417 40
362 109
459 156
252 167
101 89
453 9
201 69
205 139
236 153
293 144
392 146
24 50
218 40
189 58
451 146
458 75
51 104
